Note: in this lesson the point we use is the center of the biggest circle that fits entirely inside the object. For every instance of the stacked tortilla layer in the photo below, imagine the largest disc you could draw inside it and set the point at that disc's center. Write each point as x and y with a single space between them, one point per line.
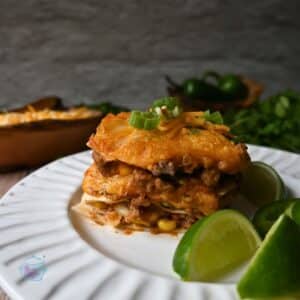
156 180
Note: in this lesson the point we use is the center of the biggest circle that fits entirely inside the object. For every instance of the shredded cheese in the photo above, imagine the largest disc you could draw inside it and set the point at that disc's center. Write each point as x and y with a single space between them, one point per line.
190 119
14 118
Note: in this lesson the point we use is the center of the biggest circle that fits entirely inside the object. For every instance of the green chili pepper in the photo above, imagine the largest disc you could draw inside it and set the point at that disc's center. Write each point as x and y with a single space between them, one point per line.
194 88
231 86
144 120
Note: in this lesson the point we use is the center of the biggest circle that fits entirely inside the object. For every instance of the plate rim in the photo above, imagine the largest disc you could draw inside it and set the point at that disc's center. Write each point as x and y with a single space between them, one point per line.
15 292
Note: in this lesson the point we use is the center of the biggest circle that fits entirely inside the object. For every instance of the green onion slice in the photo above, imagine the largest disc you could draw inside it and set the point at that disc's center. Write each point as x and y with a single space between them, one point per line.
144 120
168 107
214 117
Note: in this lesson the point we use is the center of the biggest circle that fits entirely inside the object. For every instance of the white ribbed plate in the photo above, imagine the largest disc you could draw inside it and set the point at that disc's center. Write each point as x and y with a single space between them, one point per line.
83 261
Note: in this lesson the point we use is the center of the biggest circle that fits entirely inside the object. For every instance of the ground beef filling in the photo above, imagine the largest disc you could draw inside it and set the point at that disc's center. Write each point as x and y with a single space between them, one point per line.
128 197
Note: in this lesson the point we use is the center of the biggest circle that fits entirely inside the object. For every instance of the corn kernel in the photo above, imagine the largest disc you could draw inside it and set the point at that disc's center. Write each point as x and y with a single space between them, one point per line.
166 225
99 205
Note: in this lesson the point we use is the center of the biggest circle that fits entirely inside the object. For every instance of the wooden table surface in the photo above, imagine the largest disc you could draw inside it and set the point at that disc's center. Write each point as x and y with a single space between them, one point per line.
6 181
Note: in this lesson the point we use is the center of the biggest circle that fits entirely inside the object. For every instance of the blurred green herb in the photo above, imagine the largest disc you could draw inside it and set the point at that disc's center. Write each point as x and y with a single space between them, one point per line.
273 122
107 107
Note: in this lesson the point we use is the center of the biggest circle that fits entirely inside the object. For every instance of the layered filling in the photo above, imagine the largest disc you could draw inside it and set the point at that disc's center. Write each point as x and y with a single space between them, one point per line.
131 198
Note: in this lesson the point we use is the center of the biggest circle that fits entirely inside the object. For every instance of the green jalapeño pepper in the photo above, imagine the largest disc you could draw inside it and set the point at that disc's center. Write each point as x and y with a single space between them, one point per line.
231 86
194 89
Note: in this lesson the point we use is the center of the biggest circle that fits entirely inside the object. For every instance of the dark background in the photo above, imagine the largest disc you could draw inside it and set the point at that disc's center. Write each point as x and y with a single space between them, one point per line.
92 50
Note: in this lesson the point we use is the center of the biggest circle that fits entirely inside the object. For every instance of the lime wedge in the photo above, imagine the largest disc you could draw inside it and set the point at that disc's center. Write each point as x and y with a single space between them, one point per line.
294 210
274 270
273 298
214 246
261 184
268 214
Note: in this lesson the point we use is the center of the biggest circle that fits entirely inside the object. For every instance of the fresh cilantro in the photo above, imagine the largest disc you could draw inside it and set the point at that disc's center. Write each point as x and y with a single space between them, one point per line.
107 107
273 122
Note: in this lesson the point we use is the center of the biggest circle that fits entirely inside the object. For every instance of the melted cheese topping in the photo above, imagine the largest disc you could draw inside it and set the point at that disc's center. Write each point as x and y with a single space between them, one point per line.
171 143
14 118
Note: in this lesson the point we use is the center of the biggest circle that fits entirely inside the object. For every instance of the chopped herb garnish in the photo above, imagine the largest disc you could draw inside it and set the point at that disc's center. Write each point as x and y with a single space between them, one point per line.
167 107
214 117
144 120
